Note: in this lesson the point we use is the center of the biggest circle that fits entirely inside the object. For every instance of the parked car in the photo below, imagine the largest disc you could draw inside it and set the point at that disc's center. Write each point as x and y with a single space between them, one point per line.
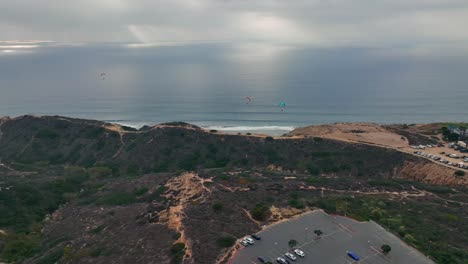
282 260
352 255
290 256
244 243
249 240
262 259
256 237
299 252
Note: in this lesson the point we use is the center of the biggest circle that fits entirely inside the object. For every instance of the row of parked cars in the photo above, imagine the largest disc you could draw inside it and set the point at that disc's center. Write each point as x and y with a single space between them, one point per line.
290 256
455 146
247 241
427 146
441 160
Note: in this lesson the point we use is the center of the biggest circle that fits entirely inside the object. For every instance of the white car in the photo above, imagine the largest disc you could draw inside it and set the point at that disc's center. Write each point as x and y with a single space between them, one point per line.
299 252
249 240
244 243
290 256
281 260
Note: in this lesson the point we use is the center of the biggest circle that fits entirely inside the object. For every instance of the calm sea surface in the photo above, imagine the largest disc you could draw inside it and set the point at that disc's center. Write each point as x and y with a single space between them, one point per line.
206 84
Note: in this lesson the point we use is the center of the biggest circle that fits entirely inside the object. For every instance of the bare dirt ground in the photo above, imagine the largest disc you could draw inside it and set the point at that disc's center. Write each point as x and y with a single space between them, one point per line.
355 132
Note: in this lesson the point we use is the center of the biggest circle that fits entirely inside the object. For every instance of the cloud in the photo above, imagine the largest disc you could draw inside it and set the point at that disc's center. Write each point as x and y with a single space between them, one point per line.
383 23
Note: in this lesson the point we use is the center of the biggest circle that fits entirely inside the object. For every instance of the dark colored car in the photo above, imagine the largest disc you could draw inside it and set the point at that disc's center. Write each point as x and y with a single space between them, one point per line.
352 255
257 237
262 260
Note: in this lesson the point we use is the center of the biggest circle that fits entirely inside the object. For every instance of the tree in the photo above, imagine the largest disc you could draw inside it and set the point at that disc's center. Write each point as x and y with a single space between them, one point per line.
318 232
292 243
217 207
462 132
226 241
386 249
260 212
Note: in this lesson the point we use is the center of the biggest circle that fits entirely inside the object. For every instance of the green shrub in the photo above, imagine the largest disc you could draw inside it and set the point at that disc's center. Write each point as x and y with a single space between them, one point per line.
292 243
226 241
177 252
93 132
386 249
260 212
140 191
51 258
296 204
20 247
100 172
47 134
218 207
117 198
313 169
98 229
460 173
133 170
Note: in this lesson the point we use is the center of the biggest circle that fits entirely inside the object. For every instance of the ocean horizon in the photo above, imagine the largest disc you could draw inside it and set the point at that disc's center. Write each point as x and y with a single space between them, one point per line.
233 88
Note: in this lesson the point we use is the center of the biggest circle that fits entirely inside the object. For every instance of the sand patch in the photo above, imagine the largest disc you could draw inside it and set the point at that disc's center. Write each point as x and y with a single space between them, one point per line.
354 132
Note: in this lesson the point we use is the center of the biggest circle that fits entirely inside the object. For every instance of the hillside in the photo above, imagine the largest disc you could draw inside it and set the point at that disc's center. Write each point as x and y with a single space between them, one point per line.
82 191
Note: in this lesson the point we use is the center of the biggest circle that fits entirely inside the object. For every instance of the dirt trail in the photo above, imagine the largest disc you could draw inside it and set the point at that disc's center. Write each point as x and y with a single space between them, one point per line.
404 194
400 195
183 190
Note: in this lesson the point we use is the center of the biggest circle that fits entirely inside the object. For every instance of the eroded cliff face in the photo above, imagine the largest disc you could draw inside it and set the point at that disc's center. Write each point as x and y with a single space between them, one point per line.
432 173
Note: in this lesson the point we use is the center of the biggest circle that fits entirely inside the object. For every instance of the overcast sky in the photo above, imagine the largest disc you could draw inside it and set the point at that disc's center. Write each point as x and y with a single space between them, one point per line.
382 23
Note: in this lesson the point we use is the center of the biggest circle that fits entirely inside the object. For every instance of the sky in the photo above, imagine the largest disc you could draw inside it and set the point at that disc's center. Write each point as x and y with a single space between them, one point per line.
415 24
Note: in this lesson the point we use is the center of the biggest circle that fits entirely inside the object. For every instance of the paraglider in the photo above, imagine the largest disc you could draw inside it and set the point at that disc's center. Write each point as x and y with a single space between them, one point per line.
248 99
103 75
282 104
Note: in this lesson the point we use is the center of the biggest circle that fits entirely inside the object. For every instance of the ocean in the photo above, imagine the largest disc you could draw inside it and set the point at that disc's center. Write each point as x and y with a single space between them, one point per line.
207 84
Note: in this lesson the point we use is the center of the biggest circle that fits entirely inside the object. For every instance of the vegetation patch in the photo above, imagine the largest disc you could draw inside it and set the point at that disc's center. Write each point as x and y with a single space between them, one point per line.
226 241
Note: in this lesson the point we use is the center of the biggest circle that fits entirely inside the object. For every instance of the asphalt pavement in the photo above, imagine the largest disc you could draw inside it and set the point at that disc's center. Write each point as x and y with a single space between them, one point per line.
340 234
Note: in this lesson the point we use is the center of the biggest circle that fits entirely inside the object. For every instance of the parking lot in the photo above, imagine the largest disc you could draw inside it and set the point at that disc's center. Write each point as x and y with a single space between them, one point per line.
340 234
